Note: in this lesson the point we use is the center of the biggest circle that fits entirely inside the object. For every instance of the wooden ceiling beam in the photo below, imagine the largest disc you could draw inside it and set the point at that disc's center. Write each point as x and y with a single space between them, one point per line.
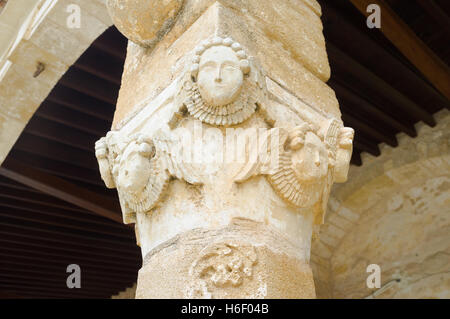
74 213
101 64
90 283
375 133
59 271
377 90
58 168
65 235
25 284
411 46
38 257
61 189
81 102
112 44
25 196
367 51
369 148
91 85
63 222
348 97
54 253
28 233
61 133
55 293
9 295
40 146
436 12
73 119
41 242
38 295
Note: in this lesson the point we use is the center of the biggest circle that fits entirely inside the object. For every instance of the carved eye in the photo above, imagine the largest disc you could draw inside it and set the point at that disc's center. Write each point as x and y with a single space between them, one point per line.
207 68
230 68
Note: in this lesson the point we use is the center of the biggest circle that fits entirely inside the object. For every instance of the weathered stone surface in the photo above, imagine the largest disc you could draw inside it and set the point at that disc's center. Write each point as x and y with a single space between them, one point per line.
142 21
243 260
297 71
52 44
395 213
215 137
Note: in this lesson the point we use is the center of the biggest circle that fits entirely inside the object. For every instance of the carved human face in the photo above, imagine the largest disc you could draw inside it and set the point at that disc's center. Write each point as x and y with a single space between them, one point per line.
134 173
310 162
220 78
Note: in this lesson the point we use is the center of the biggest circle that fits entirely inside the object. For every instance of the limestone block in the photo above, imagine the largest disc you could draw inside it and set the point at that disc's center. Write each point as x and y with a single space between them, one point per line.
60 41
93 19
53 44
28 55
243 260
21 94
342 223
348 214
403 209
292 70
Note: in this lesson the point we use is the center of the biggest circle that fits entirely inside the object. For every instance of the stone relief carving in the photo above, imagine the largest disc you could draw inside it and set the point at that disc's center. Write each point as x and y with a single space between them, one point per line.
144 22
310 158
302 168
135 168
221 265
222 87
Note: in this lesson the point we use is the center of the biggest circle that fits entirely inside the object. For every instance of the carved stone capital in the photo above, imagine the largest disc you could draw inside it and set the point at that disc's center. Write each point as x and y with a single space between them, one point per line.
227 119
304 158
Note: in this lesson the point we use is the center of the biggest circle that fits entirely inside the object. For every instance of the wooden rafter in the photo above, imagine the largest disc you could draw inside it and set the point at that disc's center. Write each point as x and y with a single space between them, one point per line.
433 9
61 189
414 49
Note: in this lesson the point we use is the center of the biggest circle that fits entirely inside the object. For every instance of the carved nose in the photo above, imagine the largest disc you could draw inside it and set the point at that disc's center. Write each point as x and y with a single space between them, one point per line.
218 78
317 160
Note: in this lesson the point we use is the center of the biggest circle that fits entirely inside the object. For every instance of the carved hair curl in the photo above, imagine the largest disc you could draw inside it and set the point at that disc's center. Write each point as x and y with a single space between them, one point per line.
218 41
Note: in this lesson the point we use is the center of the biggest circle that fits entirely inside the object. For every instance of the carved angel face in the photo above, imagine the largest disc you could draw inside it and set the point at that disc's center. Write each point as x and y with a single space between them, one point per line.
220 77
310 161
134 172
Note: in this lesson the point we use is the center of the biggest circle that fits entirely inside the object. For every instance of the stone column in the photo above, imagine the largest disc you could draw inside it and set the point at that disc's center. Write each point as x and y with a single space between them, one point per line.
225 143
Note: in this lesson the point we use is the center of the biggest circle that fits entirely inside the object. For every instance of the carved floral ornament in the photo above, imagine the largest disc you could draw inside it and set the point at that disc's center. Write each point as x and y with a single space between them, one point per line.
224 88
221 265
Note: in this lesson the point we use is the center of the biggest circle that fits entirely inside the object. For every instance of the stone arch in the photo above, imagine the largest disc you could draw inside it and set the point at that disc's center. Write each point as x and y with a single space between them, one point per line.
401 183
53 44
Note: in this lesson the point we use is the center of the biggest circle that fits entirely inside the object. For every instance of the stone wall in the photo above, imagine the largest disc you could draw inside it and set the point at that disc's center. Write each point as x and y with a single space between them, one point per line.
50 42
394 212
